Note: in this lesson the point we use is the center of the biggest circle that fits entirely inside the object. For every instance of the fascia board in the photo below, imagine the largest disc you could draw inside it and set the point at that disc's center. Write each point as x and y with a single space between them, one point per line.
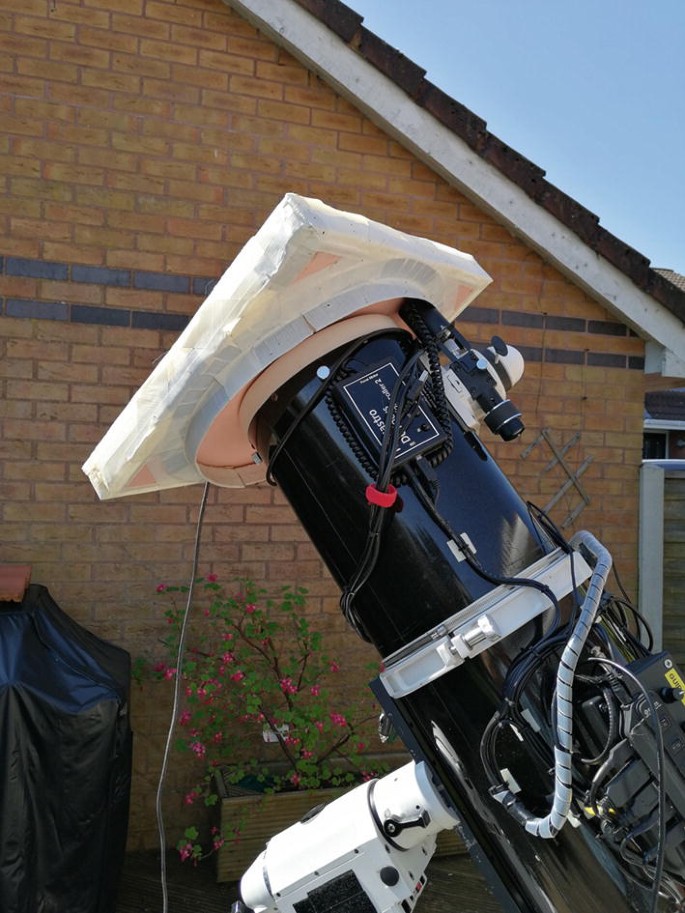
314 44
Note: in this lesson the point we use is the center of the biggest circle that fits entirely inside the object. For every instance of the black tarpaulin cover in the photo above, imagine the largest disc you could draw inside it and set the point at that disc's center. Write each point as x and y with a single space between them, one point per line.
65 761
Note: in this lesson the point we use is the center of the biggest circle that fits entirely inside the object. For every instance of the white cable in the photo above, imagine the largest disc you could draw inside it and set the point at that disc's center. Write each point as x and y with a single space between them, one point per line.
551 824
176 704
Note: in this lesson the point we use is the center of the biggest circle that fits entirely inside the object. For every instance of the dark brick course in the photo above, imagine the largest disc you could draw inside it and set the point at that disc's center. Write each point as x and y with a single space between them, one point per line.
101 275
36 269
149 320
38 310
161 282
113 317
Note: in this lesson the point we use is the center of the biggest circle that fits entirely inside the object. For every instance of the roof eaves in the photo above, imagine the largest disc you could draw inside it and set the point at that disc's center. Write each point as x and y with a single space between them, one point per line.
559 227
473 130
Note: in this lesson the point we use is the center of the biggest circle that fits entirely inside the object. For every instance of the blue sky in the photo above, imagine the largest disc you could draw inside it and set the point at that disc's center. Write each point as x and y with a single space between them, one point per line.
593 91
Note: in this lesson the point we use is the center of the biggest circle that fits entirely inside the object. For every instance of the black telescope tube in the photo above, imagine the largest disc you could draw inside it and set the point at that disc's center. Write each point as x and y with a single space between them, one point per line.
417 582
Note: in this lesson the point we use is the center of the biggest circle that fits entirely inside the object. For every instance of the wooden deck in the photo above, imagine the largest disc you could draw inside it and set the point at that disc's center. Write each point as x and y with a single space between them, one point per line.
454 886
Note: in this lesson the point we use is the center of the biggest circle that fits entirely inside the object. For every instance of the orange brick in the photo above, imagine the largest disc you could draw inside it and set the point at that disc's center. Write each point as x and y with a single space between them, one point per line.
172 130
165 244
134 298
69 12
164 50
186 14
87 95
164 205
18 287
35 228
140 66
62 212
105 237
25 166
135 25
228 101
133 259
78 54
110 80
71 253
105 38
166 89
67 173
18 372
39 109
20 46
192 191
45 28
186 34
39 149
21 85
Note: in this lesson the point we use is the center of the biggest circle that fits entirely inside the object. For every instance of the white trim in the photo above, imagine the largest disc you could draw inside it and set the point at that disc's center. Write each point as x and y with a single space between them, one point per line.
309 40
662 424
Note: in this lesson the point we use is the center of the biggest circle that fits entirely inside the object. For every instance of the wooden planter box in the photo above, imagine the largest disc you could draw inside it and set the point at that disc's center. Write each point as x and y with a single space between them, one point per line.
260 817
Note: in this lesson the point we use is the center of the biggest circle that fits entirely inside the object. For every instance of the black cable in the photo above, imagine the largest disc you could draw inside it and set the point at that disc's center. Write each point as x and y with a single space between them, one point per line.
316 398
396 418
612 729
660 770
414 319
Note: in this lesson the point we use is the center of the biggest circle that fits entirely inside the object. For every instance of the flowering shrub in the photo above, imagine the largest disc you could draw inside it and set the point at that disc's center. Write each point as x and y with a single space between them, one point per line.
258 698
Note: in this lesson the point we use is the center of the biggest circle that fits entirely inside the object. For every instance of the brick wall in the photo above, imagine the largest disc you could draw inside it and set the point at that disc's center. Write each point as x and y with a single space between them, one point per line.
141 144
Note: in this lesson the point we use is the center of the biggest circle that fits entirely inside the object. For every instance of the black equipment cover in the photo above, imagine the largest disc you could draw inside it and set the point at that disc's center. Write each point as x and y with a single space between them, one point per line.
65 761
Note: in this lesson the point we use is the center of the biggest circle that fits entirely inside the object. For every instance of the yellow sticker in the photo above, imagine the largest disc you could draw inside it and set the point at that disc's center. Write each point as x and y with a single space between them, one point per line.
675 681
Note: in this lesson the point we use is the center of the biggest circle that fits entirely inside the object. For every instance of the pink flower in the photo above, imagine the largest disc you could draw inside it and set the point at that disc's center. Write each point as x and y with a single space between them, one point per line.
161 587
159 667
338 719
315 690
307 754
184 718
185 852
288 686
169 673
250 608
198 749
217 843
334 667
227 636
227 658
217 737
190 797
295 779
319 725
238 676
212 578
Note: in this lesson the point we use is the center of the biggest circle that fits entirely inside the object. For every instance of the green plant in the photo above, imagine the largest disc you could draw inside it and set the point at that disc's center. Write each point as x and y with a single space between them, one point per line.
261 697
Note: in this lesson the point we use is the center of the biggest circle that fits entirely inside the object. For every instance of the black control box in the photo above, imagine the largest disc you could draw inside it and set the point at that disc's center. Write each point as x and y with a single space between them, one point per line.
365 401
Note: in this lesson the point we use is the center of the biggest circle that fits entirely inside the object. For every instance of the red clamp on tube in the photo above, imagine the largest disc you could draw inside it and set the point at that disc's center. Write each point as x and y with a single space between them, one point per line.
381 498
